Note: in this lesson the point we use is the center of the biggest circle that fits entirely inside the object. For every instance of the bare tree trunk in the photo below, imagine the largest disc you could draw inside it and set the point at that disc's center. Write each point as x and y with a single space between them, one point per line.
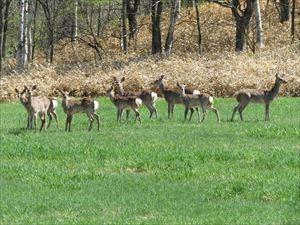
156 11
99 20
284 10
132 7
259 29
1 31
242 20
198 27
123 28
293 20
22 52
33 30
5 27
173 18
75 22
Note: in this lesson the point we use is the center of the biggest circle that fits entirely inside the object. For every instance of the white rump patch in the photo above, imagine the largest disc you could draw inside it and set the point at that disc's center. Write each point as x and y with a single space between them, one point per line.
96 105
54 103
196 92
154 96
139 101
211 99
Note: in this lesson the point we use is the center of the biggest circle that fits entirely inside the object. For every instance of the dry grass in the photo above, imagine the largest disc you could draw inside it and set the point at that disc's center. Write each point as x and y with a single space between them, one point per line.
219 71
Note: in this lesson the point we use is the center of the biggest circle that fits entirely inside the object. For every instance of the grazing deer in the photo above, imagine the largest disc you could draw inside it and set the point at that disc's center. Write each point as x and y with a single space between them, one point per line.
172 97
148 97
244 97
123 102
25 102
83 105
190 101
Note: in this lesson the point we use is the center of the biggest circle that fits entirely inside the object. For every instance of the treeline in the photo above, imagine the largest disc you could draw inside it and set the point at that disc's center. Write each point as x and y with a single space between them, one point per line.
30 25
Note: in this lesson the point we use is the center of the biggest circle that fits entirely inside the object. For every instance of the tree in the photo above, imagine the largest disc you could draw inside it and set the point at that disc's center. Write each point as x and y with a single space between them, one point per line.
75 23
198 27
173 18
259 29
156 10
1 25
284 10
22 51
242 11
123 27
131 9
51 10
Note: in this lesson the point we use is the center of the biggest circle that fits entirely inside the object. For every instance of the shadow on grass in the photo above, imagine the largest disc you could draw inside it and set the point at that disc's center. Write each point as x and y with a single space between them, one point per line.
18 131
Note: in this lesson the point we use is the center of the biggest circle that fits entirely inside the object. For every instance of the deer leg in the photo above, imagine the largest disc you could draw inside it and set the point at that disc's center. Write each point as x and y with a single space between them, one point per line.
127 113
137 115
34 121
67 122
172 110
216 112
169 110
186 112
97 119
70 122
90 116
198 113
155 111
50 119
43 119
267 107
53 113
241 109
204 114
234 111
118 115
150 109
192 112
29 121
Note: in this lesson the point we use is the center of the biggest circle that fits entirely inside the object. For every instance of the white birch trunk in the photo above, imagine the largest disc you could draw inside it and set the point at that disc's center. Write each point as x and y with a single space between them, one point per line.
22 52
75 22
259 30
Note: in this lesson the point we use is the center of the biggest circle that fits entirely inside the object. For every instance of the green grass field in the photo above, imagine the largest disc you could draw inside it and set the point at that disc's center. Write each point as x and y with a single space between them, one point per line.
161 172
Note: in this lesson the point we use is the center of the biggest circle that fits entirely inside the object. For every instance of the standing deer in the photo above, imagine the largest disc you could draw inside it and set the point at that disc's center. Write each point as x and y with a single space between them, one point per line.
190 101
122 102
244 97
172 97
83 105
25 102
148 97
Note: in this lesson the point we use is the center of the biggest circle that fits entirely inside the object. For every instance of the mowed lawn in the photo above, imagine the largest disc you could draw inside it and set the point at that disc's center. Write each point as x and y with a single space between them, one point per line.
161 172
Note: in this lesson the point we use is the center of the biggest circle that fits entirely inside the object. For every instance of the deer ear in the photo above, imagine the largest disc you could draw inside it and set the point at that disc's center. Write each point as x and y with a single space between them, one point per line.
162 76
115 79
276 75
123 79
34 87
26 87
16 90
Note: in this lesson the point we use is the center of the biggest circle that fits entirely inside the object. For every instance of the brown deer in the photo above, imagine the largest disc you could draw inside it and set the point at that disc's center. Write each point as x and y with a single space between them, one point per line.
123 102
83 105
148 97
245 96
25 102
172 97
190 101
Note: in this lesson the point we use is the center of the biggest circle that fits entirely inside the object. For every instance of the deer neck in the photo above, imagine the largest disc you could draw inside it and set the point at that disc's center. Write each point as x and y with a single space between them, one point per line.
274 91
25 102
120 90
162 88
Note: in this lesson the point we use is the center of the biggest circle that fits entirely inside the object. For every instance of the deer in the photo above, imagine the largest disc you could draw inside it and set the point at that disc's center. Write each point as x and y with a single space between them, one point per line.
72 106
190 101
148 97
125 102
51 112
172 97
245 96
